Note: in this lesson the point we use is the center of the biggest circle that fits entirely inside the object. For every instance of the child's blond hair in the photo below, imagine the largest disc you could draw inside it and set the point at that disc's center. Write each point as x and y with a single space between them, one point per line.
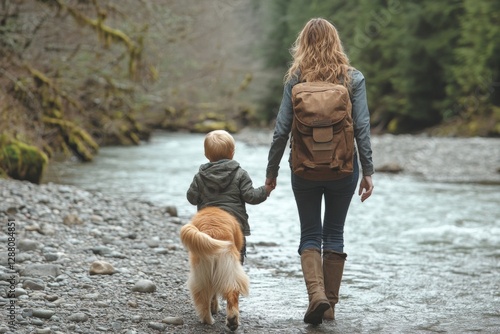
219 144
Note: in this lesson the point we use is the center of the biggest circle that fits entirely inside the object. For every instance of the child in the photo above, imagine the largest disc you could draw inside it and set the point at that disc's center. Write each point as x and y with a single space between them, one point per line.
224 184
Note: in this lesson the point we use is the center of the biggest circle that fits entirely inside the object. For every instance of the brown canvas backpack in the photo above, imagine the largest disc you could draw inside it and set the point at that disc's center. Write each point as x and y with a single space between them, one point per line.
322 131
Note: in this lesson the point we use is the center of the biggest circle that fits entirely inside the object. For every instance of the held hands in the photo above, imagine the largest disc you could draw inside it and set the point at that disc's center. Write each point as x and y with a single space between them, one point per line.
270 185
365 187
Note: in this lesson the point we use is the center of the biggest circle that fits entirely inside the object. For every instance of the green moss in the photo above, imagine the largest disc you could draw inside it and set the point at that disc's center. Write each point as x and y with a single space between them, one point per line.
210 125
393 125
3 174
76 138
21 161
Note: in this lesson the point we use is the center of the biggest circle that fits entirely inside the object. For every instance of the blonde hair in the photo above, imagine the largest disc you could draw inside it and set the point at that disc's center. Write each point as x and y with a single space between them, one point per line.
219 144
319 55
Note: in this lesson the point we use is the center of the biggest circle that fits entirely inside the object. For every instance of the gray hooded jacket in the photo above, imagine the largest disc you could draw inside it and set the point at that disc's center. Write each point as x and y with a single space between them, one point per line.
226 185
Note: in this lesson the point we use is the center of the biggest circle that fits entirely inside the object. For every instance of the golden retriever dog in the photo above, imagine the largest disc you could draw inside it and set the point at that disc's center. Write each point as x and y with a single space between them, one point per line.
214 240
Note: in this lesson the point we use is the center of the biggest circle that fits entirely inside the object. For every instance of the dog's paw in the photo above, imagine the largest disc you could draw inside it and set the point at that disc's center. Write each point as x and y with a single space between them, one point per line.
208 320
232 323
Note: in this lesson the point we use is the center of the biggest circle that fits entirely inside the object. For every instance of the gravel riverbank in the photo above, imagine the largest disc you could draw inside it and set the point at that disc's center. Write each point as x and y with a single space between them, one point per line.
86 263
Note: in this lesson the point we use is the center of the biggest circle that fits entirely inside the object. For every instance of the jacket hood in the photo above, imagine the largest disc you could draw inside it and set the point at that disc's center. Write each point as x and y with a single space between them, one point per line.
218 175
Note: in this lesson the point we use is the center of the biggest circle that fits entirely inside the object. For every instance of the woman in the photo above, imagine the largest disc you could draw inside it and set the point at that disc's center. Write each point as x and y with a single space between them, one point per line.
318 55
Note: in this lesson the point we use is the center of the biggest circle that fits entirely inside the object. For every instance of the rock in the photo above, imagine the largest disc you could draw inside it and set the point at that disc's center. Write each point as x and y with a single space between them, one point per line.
41 270
96 219
161 250
176 221
37 322
267 244
101 304
78 317
392 168
43 331
171 210
27 245
117 326
34 284
153 243
101 250
103 329
173 321
117 255
157 326
144 285
23 257
9 277
11 211
136 318
19 292
50 257
92 296
47 229
101 268
43 314
26 313
71 220
34 227
51 298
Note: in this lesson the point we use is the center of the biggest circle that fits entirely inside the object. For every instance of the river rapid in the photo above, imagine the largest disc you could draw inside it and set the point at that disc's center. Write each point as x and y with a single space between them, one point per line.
423 254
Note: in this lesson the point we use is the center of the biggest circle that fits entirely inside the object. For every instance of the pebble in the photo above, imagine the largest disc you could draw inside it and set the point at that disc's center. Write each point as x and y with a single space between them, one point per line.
173 321
101 268
157 326
144 285
34 285
37 322
19 292
51 298
27 245
43 331
71 220
171 210
42 313
78 317
41 270
51 257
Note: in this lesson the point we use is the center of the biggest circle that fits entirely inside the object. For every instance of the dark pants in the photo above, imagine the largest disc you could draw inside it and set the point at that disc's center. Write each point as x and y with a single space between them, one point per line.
337 194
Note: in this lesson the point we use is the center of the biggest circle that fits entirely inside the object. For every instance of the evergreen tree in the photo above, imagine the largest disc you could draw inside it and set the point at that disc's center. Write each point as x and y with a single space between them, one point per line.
476 73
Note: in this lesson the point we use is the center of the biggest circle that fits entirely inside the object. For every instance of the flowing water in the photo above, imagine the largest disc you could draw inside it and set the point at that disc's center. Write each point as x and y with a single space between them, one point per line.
423 257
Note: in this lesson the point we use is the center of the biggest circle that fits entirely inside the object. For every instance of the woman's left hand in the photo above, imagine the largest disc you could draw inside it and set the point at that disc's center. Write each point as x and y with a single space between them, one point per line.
271 181
365 187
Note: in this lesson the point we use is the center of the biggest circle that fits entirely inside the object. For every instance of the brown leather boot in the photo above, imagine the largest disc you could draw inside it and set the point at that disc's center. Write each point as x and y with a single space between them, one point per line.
313 276
333 268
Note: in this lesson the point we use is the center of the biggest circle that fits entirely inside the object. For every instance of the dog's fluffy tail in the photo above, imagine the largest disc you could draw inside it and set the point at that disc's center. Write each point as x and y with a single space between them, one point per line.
201 243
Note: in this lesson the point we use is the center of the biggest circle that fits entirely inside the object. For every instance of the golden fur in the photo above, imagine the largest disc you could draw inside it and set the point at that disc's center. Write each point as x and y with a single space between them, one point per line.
214 240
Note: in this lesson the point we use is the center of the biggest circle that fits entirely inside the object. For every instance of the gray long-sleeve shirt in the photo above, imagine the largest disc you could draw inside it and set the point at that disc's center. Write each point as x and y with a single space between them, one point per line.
226 185
360 115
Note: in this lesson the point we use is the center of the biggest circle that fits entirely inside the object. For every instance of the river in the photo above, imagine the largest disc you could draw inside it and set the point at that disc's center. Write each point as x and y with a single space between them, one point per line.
423 257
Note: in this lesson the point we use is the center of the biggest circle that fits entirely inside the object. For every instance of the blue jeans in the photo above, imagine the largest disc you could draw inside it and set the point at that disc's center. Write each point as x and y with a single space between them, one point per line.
309 197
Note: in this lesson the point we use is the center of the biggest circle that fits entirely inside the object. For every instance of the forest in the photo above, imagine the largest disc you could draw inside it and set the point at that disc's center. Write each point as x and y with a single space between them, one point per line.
76 75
